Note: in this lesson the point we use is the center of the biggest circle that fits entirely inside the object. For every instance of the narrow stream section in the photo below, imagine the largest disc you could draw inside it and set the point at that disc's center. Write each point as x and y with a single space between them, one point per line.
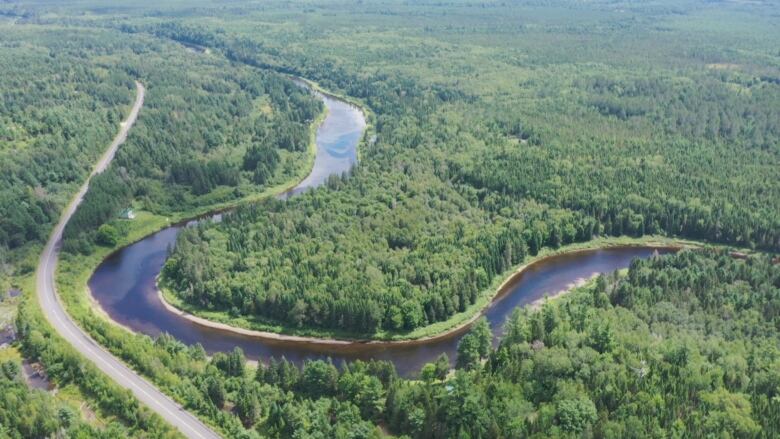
124 284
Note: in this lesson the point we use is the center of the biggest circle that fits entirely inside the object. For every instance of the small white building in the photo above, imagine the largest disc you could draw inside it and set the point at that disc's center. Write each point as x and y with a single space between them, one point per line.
127 214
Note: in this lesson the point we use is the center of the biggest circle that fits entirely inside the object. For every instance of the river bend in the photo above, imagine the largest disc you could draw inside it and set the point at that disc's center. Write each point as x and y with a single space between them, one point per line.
125 283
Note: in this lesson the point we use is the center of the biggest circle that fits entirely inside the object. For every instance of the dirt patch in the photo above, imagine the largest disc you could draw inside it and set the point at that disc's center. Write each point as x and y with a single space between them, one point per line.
538 303
36 376
13 293
7 335
87 413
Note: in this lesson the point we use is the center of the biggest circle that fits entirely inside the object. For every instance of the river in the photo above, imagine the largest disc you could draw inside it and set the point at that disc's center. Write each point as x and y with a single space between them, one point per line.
124 284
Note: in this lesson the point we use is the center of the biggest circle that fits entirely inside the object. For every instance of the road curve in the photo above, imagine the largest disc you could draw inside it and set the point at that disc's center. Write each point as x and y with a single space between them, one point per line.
52 308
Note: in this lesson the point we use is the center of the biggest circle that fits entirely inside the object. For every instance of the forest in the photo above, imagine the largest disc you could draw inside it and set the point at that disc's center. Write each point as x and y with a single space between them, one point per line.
55 128
57 112
682 345
203 138
443 202
72 109
503 130
26 413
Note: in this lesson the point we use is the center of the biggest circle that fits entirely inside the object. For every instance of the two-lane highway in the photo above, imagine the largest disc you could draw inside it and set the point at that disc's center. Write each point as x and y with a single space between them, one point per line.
147 393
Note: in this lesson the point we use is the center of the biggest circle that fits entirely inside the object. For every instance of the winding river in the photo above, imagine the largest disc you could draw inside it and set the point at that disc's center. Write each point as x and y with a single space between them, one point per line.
124 284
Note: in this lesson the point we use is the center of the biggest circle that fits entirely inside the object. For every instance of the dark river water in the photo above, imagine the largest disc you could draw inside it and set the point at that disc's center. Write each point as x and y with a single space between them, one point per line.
124 284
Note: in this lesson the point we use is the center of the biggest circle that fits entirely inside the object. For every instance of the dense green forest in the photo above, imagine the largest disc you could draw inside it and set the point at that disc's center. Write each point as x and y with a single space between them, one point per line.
682 346
60 108
462 182
210 132
253 131
501 128
281 400
229 131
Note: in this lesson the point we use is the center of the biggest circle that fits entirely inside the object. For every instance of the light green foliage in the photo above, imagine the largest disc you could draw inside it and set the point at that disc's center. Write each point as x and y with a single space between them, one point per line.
107 235
319 378
365 391
576 415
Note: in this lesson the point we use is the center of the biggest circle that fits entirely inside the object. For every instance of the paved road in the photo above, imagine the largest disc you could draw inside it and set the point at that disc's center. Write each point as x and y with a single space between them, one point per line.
172 412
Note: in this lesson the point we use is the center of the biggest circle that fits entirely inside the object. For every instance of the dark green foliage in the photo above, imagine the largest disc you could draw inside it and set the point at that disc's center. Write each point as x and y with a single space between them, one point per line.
465 180
693 352
442 366
475 345
108 194
231 364
262 161
215 389
203 178
279 373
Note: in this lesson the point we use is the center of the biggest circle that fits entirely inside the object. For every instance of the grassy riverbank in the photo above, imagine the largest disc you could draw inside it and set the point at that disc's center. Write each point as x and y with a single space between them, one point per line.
74 271
435 330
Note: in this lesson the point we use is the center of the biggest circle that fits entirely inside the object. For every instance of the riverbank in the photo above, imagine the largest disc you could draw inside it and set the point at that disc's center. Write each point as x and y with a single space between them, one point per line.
369 132
103 364
19 306
74 272
456 324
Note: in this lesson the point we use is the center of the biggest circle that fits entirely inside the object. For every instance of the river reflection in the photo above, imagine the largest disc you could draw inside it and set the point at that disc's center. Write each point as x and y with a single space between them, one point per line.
124 284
